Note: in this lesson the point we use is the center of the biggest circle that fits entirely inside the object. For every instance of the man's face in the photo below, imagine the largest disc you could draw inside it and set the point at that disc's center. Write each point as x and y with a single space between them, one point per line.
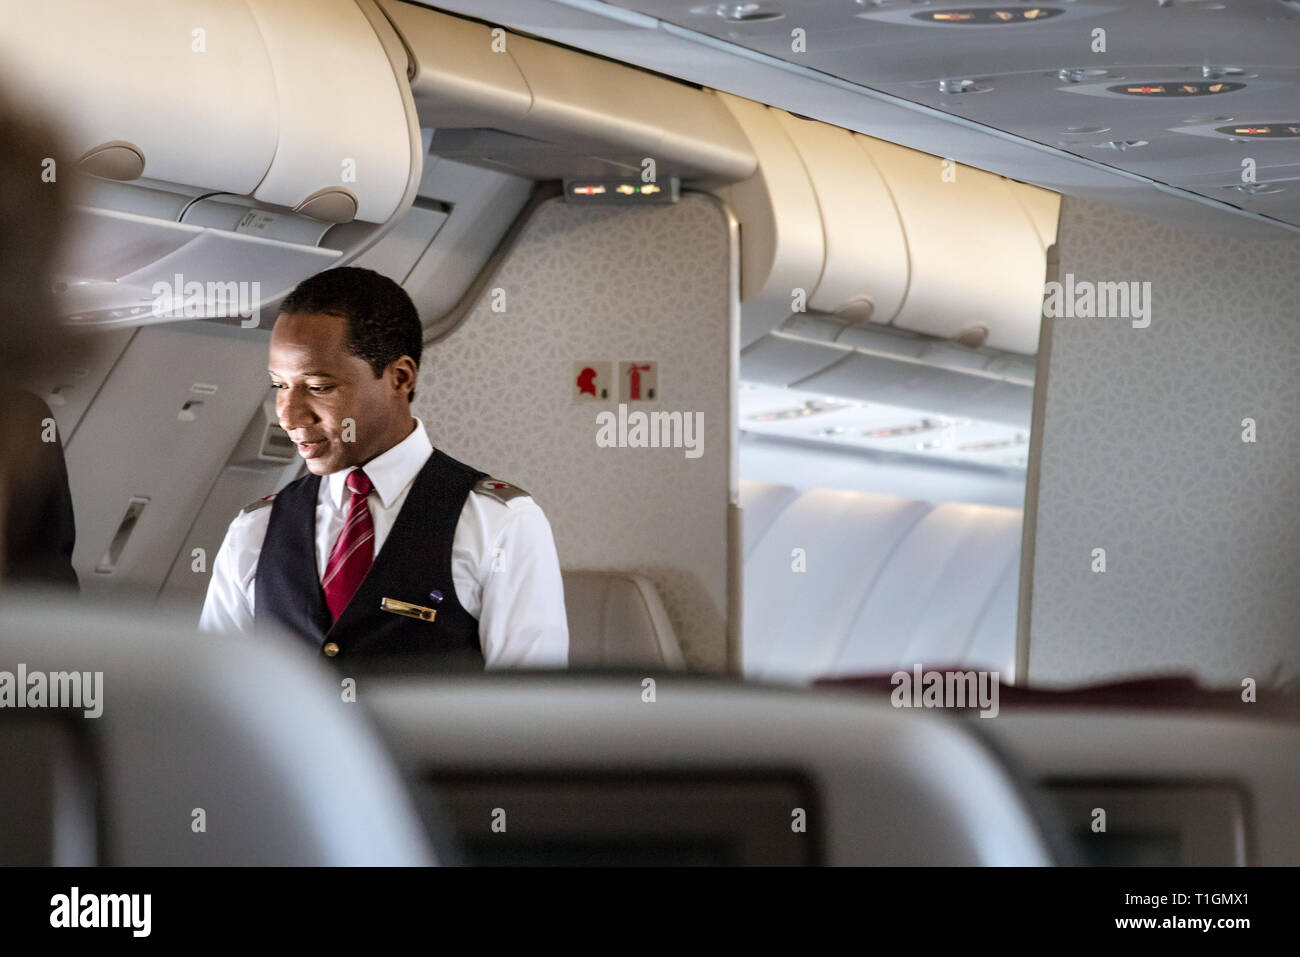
319 385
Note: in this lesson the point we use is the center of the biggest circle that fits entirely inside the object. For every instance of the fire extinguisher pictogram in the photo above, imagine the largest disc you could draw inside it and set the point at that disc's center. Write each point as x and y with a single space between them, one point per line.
638 381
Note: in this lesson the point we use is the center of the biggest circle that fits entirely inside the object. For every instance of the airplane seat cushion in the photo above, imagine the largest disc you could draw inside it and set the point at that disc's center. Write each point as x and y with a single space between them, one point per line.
618 618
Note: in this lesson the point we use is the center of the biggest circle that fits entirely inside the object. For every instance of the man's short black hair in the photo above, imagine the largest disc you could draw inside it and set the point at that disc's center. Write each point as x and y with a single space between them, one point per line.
382 323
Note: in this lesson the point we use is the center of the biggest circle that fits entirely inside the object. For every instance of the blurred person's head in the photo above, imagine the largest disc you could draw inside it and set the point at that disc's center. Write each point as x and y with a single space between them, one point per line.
34 184
344 357
33 191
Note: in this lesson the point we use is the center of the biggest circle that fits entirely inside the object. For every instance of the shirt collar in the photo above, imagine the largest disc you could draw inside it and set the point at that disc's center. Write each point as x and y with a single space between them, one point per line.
390 471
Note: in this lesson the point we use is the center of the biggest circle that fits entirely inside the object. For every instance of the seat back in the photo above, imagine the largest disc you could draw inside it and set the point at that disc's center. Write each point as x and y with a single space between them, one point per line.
618 619
881 785
209 749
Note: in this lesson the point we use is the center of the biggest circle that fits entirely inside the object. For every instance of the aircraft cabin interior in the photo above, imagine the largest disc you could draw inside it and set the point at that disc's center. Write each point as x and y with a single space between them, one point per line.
908 388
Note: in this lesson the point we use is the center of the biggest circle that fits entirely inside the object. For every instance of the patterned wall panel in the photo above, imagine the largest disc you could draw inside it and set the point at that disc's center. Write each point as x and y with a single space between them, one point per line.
1143 456
589 283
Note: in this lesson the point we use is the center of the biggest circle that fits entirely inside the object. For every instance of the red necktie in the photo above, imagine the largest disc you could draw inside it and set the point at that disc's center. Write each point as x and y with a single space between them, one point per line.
354 549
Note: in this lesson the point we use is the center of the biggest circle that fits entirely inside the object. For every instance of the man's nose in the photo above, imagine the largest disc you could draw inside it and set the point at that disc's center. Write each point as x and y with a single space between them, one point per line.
293 409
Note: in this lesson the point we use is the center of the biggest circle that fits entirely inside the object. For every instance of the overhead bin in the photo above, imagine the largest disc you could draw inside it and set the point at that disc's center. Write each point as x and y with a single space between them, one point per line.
189 85
594 100
218 142
876 234
872 378
782 240
997 392
279 99
605 117
456 78
344 148
865 273
977 256
1042 206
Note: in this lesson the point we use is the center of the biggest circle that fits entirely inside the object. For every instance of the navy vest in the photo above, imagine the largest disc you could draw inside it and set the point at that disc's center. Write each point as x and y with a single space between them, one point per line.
413 567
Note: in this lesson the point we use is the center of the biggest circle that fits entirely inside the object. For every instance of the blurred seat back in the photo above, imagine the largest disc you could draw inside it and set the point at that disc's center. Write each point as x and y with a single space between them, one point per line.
583 761
208 749
617 619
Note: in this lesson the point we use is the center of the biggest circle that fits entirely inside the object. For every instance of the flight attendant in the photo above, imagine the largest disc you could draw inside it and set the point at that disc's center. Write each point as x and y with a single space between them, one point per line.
388 548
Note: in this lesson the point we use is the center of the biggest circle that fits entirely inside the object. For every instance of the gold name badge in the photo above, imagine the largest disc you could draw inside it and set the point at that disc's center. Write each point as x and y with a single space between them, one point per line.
407 609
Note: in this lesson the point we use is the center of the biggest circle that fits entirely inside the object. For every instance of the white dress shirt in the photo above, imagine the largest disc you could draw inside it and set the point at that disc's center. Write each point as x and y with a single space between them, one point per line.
503 561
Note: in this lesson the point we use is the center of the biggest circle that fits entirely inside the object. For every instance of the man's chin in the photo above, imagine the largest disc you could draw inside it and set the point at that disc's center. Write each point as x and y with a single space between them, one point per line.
322 466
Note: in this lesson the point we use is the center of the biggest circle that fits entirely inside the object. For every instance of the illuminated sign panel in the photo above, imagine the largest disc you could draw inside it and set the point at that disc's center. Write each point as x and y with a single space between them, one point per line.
1179 89
1262 131
987 16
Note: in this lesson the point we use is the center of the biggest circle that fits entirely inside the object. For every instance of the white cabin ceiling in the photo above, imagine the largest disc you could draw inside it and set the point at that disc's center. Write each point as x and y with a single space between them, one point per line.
1063 131
1016 68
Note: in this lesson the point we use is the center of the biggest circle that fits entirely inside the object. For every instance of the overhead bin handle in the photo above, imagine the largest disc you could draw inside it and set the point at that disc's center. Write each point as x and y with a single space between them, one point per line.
972 336
116 159
333 204
108 562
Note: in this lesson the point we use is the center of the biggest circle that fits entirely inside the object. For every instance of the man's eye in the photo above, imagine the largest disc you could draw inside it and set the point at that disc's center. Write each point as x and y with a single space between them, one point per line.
321 388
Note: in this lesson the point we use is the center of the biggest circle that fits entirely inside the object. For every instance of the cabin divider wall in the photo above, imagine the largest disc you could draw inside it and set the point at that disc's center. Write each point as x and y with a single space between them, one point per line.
1145 455
586 284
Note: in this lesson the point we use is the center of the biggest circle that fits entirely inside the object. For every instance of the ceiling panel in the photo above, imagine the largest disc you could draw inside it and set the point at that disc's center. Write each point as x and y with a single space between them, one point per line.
1199 94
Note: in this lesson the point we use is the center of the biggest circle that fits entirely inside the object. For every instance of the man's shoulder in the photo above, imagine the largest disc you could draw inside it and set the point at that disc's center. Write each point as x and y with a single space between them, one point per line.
250 523
507 494
266 501
248 528
494 508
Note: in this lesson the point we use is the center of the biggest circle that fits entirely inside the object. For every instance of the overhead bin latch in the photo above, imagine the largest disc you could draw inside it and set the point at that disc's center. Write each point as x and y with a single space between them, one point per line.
116 159
857 311
333 204
972 337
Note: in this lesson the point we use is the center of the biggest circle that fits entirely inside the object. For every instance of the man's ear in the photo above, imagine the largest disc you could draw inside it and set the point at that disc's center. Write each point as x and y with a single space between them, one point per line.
405 373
